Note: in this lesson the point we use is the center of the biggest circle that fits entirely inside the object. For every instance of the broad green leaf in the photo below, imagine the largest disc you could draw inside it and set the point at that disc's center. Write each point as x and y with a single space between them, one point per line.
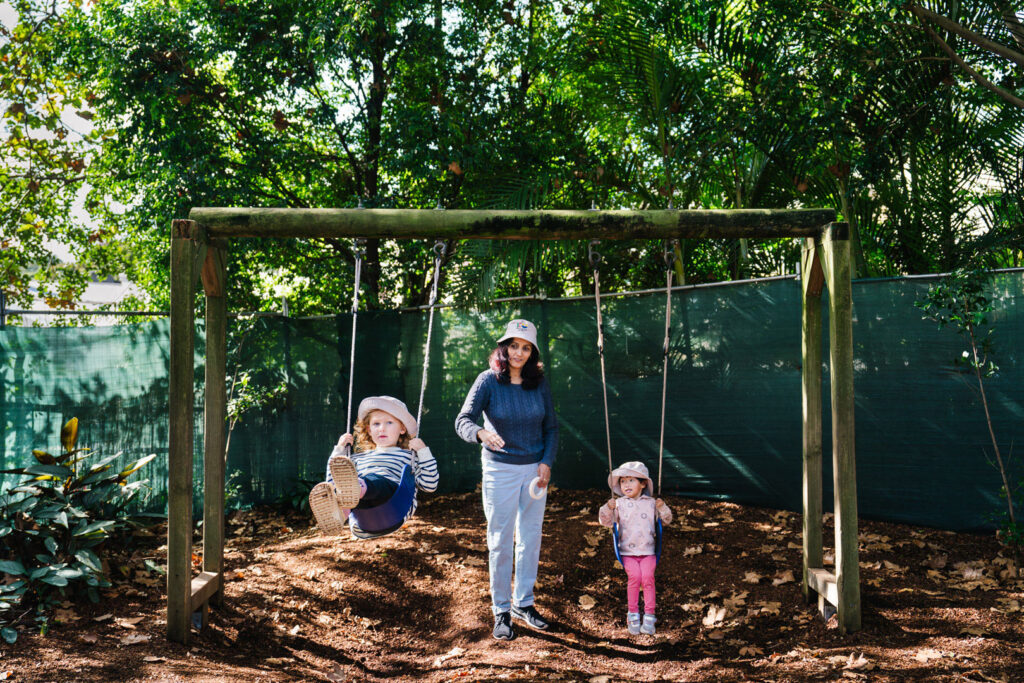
89 559
52 470
9 635
135 466
12 567
92 528
54 580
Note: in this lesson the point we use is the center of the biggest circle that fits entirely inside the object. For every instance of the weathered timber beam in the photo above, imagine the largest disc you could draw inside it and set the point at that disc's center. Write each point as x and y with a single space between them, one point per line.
472 224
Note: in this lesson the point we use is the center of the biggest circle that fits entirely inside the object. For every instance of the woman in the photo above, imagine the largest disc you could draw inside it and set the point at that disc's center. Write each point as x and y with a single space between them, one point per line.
519 440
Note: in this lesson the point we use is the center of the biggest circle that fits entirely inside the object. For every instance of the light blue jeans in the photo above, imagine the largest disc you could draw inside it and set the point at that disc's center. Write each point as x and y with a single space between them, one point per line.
514 521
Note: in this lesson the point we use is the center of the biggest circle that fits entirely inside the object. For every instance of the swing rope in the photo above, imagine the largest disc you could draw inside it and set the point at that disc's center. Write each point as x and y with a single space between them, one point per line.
358 250
439 251
595 260
670 257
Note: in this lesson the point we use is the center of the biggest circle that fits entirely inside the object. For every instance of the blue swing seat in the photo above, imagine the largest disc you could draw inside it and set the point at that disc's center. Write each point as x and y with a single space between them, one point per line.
657 540
389 516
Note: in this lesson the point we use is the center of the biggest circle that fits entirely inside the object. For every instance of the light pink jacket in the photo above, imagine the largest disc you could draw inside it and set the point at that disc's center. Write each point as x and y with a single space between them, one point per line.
636 523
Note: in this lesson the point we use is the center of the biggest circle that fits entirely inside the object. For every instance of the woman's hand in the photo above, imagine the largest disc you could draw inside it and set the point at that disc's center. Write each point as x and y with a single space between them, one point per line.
611 503
417 444
490 440
659 503
345 440
543 475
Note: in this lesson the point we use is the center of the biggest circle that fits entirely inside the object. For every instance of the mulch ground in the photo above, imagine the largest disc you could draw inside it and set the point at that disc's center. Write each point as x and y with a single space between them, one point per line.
937 606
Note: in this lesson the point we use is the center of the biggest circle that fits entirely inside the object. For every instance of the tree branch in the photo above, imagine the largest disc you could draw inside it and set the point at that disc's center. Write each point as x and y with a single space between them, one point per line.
979 40
981 80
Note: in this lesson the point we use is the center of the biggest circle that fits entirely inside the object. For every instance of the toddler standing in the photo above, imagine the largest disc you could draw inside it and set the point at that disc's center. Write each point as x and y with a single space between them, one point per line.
635 512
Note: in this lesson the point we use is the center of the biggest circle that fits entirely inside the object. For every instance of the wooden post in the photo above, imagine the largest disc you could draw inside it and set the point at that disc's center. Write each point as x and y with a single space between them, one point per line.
812 281
836 264
214 415
179 490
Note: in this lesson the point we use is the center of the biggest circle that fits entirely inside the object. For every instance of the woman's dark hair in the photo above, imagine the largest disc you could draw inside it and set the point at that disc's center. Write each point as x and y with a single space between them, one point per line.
532 371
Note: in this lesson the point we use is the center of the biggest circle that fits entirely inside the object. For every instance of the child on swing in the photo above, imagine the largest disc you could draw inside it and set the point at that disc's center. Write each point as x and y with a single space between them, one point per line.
385 441
635 512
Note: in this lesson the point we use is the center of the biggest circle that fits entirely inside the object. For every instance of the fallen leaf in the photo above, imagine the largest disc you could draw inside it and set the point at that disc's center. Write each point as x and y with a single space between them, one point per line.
454 652
750 651
752 577
134 639
587 602
151 658
859 661
784 577
693 550
105 617
927 654
337 674
714 616
90 638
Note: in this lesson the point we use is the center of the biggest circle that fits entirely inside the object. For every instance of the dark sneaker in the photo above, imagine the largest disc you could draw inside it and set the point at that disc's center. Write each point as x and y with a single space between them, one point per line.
503 627
530 615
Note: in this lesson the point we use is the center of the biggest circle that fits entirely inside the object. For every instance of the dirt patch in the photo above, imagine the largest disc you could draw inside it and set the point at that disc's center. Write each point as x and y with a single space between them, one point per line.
414 606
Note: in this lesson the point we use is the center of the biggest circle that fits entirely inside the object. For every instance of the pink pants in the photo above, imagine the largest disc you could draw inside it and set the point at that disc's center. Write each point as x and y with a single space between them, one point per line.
640 574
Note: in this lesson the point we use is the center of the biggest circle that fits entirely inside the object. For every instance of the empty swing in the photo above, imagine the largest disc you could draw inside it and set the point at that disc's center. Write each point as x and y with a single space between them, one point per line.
595 260
389 516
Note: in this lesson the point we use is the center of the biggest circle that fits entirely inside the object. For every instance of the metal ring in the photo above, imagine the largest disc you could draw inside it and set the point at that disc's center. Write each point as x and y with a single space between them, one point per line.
669 254
592 254
440 248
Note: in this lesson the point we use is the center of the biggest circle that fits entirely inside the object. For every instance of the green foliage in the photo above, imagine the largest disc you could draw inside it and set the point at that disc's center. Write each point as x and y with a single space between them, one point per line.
55 526
495 104
297 497
960 301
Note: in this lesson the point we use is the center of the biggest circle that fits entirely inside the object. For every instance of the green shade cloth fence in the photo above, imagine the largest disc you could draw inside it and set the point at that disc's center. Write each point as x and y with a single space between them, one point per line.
733 419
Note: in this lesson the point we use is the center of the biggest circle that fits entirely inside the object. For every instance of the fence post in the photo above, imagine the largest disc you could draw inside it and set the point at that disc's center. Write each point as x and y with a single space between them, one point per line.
3 309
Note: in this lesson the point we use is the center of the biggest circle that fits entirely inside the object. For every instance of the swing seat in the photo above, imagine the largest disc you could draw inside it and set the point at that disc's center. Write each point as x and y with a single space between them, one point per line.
657 541
389 516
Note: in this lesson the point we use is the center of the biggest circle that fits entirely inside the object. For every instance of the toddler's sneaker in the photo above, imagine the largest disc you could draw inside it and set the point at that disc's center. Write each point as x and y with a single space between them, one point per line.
648 625
324 504
633 622
346 483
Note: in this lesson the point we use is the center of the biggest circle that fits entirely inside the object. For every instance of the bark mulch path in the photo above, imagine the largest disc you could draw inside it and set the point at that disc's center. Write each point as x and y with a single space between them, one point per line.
937 606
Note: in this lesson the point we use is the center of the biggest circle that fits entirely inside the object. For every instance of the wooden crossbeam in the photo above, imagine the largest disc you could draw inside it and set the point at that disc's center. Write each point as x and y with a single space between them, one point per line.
474 224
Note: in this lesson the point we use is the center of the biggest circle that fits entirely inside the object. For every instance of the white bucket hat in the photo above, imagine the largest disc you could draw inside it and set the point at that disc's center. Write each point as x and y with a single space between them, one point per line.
523 329
392 406
630 469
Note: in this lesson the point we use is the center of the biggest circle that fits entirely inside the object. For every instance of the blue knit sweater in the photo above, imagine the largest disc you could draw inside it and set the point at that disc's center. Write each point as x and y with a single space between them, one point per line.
525 419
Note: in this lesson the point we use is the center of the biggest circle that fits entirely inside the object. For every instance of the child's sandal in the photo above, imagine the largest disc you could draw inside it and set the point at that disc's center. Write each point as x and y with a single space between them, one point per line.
346 482
324 505
633 622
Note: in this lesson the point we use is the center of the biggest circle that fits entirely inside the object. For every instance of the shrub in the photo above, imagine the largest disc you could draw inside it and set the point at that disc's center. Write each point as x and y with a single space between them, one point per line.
54 527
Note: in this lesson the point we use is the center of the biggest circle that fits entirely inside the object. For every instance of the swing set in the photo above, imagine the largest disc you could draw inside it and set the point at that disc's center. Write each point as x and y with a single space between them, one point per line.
199 251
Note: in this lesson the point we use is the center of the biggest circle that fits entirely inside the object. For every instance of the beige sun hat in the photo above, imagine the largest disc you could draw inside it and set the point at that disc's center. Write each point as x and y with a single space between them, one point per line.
523 329
392 406
633 468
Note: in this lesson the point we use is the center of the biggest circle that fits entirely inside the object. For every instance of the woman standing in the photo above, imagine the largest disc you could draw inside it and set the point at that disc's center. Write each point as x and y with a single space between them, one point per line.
519 439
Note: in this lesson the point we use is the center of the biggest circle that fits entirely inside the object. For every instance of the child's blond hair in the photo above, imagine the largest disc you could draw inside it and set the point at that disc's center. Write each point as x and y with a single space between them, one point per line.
361 434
